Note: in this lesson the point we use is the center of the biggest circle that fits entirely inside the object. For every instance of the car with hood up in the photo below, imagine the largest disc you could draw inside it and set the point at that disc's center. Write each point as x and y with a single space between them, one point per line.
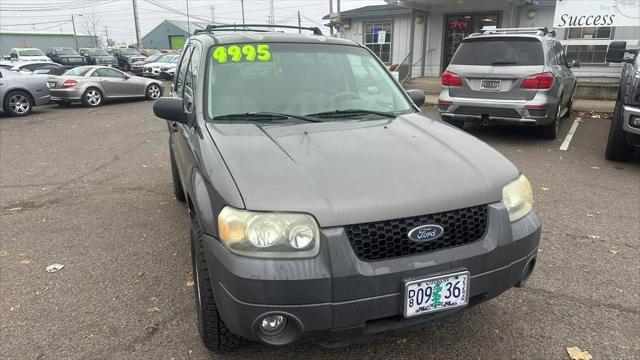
153 69
323 204
136 67
126 57
92 85
98 57
27 54
66 56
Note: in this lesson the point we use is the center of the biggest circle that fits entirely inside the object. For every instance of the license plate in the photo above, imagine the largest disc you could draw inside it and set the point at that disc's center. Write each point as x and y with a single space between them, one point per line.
490 84
424 296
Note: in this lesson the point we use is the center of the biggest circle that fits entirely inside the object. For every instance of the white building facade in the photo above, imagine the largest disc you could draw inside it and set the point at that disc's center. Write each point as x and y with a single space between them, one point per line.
426 33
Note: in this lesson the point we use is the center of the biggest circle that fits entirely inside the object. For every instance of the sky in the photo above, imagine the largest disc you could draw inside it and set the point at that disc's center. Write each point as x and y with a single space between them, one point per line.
117 15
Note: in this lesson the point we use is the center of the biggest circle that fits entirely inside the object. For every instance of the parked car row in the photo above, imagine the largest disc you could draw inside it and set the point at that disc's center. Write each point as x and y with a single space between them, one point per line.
90 85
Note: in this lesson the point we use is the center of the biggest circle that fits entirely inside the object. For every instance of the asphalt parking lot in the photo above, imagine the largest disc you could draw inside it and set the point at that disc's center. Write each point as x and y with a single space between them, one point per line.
91 189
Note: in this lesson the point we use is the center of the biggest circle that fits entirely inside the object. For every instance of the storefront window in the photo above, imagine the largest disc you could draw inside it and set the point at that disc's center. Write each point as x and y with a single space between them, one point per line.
459 26
377 37
590 33
587 53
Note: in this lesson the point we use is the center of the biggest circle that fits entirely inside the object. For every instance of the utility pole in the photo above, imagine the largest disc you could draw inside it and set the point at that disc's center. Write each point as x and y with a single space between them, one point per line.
242 4
188 20
136 21
213 21
339 20
271 13
299 23
106 35
330 12
75 35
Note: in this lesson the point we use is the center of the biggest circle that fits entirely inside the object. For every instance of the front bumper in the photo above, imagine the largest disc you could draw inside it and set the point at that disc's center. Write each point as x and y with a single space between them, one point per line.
336 295
151 72
539 111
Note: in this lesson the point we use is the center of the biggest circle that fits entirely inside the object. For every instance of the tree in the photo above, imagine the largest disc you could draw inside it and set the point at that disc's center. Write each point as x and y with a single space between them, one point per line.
90 25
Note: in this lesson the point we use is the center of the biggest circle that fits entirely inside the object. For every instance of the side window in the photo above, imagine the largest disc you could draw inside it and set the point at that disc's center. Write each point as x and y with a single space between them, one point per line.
552 54
180 74
191 77
111 73
562 57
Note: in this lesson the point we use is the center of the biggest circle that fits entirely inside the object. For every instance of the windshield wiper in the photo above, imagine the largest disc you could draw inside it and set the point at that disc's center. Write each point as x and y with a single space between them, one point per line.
351 113
264 116
504 63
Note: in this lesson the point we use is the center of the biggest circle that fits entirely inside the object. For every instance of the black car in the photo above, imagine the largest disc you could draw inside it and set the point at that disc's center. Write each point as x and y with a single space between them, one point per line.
66 56
48 68
624 134
126 57
98 57
323 203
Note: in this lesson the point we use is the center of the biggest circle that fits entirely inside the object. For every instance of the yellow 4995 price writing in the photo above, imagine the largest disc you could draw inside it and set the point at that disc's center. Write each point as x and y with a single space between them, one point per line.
238 53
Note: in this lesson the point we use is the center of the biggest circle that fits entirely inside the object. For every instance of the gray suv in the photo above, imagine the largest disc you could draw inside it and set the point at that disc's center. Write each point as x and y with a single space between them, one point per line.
624 133
509 76
323 205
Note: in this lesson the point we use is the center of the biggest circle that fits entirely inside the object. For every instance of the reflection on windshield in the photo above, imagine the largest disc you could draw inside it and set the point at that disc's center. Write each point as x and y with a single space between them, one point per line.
167 59
31 52
66 52
79 71
131 52
307 79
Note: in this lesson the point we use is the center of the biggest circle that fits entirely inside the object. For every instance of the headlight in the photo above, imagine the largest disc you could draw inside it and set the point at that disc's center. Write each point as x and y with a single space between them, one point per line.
518 197
269 234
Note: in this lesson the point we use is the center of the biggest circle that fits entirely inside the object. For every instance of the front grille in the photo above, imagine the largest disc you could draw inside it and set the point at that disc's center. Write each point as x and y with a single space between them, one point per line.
389 239
480 110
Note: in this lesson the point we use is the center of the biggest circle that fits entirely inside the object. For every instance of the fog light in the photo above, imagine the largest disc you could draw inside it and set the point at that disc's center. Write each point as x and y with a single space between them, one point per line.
273 325
634 121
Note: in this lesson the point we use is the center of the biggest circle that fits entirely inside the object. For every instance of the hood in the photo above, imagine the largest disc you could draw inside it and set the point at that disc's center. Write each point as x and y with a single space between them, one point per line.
154 64
134 58
361 171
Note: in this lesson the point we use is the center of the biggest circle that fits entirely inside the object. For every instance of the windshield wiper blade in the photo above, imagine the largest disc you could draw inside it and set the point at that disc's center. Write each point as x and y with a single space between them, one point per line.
504 63
263 115
352 112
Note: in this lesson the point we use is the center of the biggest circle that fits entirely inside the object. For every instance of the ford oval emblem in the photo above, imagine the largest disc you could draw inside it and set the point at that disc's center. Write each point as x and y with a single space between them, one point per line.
426 233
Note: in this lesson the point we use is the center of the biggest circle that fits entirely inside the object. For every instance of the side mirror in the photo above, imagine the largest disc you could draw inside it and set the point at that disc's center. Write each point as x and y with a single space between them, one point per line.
574 64
615 53
417 96
170 108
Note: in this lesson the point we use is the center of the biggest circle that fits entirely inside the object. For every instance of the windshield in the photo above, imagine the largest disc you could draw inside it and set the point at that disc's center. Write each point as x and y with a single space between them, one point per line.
499 51
30 52
167 59
308 79
98 52
153 58
79 71
66 52
130 52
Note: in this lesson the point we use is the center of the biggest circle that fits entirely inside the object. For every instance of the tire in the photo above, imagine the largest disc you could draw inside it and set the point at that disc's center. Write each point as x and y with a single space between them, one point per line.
214 333
18 103
550 132
153 92
175 176
92 97
457 123
567 115
617 148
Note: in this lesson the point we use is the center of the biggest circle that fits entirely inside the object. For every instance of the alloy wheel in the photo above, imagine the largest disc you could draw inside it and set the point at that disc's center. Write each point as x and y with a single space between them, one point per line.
93 97
154 91
19 104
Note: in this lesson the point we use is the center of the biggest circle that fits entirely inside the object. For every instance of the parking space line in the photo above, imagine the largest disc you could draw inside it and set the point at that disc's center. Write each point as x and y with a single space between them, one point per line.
567 139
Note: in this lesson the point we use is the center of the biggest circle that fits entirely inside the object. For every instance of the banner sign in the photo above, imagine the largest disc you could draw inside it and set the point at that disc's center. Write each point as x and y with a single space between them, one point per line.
593 13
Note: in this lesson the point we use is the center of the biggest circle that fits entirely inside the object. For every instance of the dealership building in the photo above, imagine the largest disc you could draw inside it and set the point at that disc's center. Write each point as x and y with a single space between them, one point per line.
426 33
42 41
170 34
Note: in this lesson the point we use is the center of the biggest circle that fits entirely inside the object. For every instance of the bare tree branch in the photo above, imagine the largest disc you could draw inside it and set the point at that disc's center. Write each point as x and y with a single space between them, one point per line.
90 25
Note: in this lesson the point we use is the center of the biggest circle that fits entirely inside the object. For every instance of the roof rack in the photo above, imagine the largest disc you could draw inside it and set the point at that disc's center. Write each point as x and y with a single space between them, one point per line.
210 29
540 31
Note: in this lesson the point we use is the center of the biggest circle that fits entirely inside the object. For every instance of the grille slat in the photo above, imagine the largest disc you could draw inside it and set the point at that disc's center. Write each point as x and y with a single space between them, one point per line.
389 239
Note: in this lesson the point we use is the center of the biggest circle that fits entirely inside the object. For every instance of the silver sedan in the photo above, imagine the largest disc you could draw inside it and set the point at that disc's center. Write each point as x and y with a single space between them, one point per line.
91 85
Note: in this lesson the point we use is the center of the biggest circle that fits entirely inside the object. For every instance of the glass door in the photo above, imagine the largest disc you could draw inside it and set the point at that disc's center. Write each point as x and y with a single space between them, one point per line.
459 26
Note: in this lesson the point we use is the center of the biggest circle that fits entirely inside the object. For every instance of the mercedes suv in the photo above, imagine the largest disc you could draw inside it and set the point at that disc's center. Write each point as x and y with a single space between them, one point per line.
509 76
323 204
